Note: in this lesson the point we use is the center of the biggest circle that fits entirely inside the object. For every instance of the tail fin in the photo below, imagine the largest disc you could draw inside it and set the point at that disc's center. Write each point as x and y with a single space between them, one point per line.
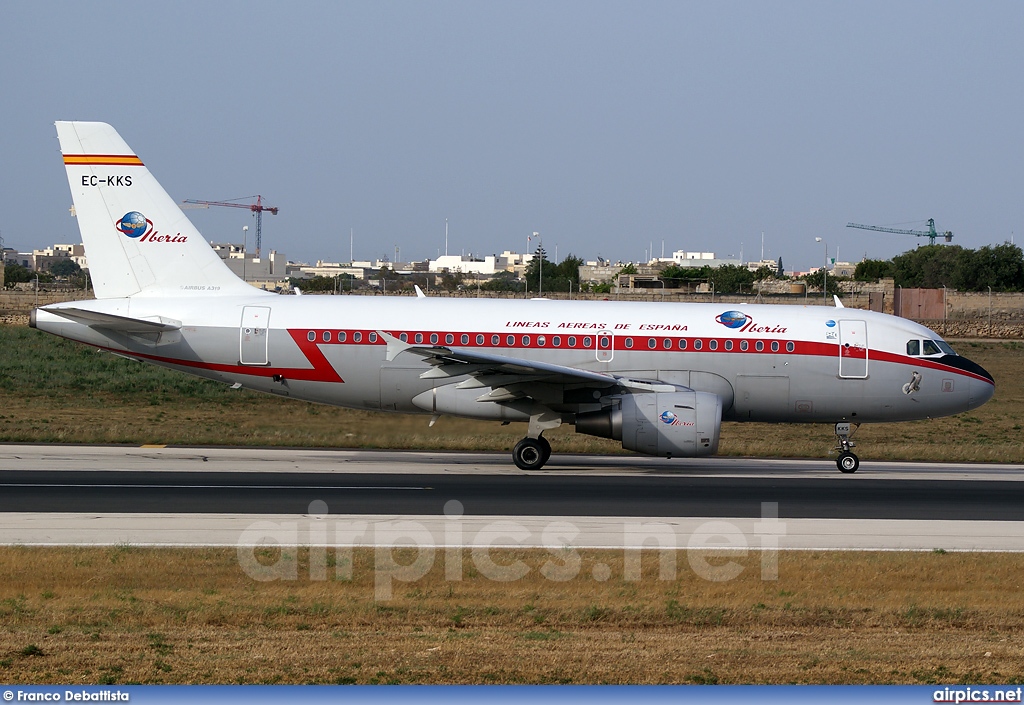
137 240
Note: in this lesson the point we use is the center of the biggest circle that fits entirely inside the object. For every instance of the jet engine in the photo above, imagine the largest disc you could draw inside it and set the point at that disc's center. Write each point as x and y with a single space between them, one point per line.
681 424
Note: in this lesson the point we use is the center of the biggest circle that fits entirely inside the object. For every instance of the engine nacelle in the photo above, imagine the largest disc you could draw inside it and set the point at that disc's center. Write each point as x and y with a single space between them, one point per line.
681 424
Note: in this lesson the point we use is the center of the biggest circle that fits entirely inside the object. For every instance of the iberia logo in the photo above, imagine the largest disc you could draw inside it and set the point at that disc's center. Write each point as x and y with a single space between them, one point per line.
137 226
669 418
732 319
740 321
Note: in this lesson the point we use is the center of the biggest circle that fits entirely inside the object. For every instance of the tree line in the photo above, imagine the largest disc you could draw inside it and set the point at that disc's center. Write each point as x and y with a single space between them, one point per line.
1000 267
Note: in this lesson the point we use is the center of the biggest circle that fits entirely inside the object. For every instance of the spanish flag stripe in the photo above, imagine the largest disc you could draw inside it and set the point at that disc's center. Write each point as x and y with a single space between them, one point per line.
102 160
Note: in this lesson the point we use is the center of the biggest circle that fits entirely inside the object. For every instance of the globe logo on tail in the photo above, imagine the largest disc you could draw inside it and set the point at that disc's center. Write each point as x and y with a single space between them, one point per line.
133 224
732 319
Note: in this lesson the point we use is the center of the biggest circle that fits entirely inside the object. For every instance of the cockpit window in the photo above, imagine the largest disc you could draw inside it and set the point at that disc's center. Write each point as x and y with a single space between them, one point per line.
914 347
945 347
930 348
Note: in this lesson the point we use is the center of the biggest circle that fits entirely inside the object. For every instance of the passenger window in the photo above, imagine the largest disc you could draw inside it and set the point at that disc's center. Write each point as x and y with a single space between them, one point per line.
419 337
629 342
356 337
526 341
759 345
713 345
682 343
667 343
775 346
433 338
327 336
479 338
495 339
728 345
914 347
556 341
540 340
696 345
572 341
744 345
588 341
930 348
510 340
652 343
464 339
790 346
341 337
404 337
373 337
449 339
311 336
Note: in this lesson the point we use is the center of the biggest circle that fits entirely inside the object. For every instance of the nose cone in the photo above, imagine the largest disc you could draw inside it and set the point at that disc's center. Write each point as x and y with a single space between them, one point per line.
981 386
980 391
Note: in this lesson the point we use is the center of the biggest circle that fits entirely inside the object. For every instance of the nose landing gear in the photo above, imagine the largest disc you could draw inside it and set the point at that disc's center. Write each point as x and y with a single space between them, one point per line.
847 462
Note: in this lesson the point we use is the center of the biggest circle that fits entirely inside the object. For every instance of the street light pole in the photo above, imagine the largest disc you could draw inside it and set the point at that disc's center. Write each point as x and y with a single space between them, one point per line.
824 273
245 242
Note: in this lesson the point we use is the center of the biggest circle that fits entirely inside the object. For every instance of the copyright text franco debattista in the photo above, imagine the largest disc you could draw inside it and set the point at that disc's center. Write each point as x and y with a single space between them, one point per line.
69 696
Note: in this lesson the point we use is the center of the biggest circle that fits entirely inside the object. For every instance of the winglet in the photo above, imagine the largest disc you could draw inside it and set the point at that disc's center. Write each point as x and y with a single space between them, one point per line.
419 292
839 304
395 346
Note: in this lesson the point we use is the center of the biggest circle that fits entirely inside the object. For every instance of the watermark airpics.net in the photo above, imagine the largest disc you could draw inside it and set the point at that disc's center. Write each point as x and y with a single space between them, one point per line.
710 548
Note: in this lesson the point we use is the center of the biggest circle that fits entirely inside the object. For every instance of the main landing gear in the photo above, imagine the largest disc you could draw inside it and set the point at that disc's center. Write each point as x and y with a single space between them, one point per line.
847 462
531 453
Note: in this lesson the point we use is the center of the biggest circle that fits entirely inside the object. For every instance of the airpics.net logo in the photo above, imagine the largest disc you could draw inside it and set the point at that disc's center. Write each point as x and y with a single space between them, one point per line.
140 228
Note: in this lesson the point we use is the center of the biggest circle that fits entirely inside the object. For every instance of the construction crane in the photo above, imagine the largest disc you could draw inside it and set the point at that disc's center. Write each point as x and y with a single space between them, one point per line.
930 233
257 208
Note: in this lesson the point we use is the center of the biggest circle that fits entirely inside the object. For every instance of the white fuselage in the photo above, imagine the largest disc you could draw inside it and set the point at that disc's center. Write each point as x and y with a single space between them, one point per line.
767 362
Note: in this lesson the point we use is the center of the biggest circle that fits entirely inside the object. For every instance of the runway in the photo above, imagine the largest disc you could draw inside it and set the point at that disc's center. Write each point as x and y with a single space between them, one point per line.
104 494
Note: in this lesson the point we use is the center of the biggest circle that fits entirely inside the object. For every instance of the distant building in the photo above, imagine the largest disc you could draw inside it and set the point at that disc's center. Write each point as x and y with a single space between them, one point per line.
467 265
246 265
42 260
328 269
682 258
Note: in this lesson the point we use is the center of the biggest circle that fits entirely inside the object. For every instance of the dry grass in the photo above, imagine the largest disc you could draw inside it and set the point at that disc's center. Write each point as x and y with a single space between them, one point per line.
123 614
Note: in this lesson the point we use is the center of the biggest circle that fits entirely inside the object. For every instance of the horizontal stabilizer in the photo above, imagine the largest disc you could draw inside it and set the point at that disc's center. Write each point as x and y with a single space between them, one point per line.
94 319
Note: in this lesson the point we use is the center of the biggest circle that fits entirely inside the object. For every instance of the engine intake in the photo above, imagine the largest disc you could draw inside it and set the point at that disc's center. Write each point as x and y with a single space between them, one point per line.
681 424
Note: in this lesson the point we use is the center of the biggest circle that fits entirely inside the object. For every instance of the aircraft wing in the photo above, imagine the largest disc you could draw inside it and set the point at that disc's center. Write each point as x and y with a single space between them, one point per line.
109 321
503 372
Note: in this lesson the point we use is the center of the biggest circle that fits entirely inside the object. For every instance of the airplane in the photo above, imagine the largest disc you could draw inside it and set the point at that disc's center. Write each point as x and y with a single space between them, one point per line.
658 377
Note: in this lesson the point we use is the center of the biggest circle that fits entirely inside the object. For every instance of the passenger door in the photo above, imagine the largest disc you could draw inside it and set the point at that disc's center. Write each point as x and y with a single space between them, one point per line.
253 336
853 349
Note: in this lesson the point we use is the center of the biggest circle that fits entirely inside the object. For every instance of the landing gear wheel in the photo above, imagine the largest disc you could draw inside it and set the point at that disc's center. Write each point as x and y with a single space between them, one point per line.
547 449
847 462
530 454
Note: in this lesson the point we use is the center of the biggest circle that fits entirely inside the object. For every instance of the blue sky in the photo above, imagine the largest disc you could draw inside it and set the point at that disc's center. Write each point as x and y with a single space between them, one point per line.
606 126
